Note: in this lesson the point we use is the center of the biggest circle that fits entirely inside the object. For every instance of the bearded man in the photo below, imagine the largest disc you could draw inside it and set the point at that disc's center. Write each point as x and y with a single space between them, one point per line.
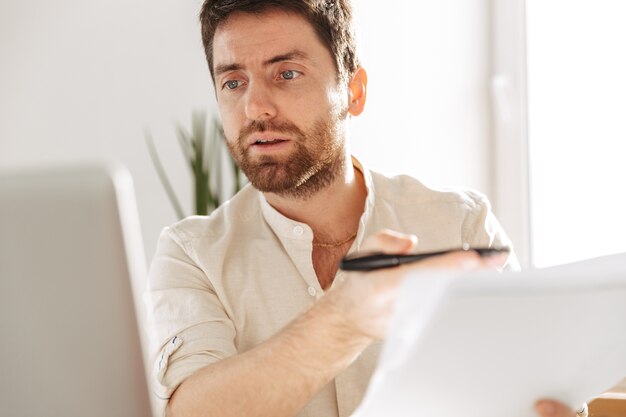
251 316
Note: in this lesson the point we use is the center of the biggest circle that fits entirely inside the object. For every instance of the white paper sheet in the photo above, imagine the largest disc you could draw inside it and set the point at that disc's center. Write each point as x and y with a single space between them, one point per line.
489 345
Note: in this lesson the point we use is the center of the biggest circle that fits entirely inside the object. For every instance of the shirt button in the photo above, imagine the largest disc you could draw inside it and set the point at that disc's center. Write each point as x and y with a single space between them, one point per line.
312 291
298 230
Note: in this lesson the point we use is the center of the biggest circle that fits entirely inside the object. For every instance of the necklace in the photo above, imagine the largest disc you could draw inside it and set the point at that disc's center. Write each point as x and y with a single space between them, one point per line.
334 244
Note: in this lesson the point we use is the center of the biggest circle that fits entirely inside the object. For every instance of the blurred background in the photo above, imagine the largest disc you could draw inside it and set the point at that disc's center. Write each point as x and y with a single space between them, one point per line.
524 101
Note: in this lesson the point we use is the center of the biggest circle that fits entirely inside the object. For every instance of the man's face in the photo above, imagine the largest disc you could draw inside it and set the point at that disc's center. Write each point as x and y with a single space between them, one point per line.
283 109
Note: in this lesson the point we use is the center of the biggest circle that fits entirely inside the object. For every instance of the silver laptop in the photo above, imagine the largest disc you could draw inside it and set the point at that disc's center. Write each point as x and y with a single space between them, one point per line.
69 250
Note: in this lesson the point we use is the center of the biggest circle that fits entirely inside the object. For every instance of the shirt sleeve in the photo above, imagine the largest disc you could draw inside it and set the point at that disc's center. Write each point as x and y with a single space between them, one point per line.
482 229
187 325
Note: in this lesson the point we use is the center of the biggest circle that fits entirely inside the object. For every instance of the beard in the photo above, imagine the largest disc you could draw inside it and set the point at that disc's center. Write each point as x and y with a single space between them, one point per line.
317 160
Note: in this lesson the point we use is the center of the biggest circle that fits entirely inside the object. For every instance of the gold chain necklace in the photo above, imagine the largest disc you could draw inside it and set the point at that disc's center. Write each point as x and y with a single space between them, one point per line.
334 244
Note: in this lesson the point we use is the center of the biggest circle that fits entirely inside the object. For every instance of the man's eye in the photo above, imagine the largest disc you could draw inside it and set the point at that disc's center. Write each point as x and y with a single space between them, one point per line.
289 74
231 85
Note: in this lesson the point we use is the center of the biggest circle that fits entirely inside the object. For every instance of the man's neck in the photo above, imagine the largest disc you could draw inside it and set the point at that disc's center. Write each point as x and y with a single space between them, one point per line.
333 213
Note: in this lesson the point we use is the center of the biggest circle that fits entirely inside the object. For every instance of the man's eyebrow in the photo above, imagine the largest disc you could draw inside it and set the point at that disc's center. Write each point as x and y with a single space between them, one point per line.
222 68
295 54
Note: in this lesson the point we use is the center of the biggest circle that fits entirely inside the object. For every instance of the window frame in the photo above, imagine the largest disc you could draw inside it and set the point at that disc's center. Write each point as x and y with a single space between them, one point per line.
511 177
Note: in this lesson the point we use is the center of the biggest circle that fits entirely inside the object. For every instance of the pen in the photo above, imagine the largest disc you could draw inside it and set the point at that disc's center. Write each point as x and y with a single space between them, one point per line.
372 261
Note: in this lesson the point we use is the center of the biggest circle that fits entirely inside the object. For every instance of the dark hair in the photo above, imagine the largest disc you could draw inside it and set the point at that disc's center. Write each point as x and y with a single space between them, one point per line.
331 20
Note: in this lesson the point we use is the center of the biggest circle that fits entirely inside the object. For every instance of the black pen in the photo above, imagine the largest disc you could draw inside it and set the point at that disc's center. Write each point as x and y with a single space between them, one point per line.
372 261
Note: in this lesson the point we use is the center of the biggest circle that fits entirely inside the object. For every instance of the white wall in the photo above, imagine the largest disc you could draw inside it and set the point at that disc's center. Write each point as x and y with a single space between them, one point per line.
82 79
428 106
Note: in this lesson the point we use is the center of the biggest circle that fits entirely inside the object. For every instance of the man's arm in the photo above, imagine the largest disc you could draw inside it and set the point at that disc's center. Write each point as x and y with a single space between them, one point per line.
277 377
281 375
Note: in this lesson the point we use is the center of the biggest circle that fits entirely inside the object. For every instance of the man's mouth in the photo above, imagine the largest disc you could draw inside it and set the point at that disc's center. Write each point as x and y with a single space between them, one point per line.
268 141
268 144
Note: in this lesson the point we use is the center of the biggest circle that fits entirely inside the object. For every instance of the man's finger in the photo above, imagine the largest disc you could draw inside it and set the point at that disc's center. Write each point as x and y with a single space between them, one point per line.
389 241
465 260
550 408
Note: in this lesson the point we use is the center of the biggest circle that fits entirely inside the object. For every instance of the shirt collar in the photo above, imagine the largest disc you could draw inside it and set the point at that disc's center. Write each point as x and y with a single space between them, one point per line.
283 226
369 204
287 228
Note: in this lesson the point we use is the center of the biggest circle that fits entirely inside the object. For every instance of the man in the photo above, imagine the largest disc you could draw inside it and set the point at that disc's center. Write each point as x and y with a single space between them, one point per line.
251 316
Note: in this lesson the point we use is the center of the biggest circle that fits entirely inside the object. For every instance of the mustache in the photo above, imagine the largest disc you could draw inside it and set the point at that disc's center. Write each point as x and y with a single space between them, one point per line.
260 126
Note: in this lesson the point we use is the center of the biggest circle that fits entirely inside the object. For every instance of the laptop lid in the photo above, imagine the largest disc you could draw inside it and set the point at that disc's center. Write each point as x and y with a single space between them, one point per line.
69 250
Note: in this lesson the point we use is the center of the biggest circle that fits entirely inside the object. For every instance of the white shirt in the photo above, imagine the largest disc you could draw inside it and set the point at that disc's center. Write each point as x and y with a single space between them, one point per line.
222 284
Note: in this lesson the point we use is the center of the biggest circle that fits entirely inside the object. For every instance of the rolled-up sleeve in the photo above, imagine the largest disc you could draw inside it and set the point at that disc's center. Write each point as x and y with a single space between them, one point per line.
482 229
187 324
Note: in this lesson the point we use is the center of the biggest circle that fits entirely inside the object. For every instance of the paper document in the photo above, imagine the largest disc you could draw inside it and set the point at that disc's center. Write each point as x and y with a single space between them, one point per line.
489 344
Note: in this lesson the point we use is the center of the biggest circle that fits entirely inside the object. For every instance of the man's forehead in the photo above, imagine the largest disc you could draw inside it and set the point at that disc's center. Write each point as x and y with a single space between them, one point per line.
270 20
260 37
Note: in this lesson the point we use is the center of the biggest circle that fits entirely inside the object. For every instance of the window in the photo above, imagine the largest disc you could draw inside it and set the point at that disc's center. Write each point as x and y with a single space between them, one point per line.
561 146
576 128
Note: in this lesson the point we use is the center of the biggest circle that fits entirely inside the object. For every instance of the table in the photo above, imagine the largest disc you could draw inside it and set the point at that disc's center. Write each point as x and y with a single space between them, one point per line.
610 404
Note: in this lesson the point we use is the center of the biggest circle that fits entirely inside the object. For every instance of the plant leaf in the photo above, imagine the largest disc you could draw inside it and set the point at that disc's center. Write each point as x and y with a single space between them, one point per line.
185 142
156 161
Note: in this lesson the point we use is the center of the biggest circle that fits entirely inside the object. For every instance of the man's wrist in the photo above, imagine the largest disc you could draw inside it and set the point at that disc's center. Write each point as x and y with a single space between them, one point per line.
324 340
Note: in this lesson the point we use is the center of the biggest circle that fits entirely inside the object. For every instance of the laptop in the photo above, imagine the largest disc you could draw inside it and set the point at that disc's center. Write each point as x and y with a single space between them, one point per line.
70 251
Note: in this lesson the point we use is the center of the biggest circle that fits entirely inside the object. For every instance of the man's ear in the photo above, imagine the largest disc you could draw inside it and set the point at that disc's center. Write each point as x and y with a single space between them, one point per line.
357 92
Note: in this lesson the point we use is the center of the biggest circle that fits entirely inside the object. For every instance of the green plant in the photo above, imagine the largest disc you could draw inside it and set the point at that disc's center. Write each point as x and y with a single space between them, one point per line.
205 155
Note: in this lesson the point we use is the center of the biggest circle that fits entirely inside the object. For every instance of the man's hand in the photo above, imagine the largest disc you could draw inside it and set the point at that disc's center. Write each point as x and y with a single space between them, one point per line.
367 299
551 408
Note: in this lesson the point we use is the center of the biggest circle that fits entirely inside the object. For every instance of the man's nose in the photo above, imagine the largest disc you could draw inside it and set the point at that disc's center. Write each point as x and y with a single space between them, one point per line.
259 102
